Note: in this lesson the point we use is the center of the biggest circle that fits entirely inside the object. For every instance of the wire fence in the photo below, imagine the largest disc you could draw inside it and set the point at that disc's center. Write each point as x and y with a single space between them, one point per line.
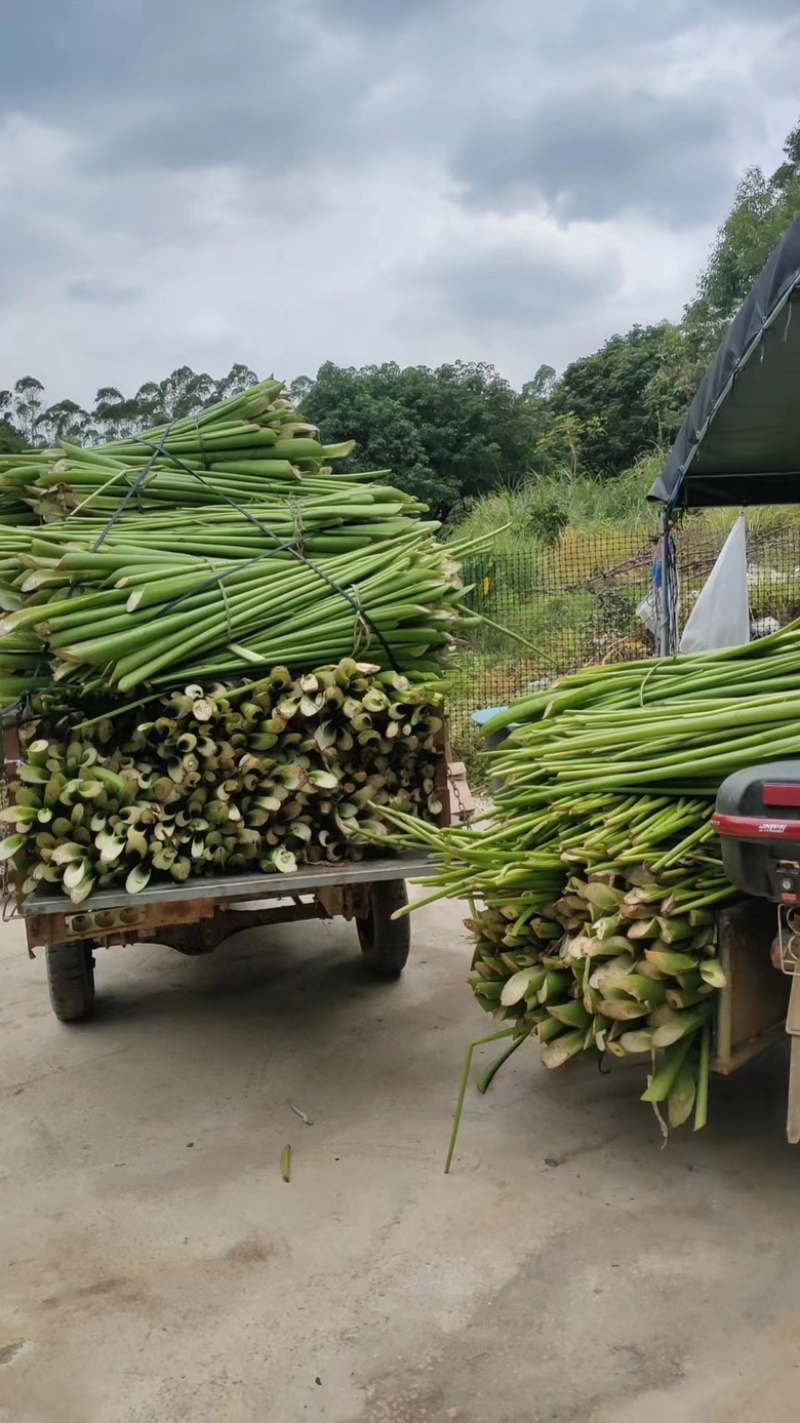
577 602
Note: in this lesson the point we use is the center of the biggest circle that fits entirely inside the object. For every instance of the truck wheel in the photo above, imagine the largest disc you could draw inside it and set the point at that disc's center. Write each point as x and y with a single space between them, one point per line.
385 942
70 978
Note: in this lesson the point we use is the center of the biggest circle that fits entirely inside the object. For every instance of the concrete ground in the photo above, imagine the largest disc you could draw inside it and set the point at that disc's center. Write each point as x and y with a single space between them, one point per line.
155 1267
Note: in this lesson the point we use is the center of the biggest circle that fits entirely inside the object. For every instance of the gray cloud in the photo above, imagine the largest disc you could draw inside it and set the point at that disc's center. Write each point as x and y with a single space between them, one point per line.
186 85
50 51
295 170
201 134
522 104
591 155
510 287
33 247
637 21
260 87
94 290
380 14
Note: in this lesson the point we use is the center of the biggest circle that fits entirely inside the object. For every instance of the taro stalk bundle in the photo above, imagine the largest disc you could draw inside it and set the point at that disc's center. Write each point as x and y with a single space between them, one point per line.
595 882
243 449
596 931
257 776
158 607
219 546
679 725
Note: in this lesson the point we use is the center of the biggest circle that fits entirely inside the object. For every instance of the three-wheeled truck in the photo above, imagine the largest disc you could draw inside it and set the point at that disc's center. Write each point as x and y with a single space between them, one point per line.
739 445
758 820
197 916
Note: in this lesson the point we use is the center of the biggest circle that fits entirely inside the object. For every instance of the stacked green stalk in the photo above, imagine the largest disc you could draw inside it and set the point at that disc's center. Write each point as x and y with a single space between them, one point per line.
596 881
243 449
595 929
621 959
218 546
264 775
218 552
130 613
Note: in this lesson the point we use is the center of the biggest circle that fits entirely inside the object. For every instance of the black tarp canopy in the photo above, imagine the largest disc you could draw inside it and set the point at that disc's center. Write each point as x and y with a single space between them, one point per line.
740 442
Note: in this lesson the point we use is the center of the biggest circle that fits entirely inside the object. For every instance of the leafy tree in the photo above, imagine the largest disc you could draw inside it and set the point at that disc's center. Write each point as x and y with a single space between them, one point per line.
671 387
115 417
28 405
65 421
764 207
542 386
300 388
26 419
184 392
615 412
11 441
239 379
10 438
563 441
180 394
444 434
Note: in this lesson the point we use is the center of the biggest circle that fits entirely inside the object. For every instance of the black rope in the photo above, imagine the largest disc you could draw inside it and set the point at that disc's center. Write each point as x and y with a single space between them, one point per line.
123 476
290 548
134 488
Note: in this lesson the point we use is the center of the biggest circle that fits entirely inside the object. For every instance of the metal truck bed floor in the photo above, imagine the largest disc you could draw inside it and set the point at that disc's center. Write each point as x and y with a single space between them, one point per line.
231 887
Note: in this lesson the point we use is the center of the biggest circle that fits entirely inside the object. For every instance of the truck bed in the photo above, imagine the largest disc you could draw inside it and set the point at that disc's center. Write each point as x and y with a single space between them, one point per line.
249 886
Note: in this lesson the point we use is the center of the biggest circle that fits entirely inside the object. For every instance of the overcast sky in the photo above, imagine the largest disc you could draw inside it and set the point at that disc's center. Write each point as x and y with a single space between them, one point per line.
189 181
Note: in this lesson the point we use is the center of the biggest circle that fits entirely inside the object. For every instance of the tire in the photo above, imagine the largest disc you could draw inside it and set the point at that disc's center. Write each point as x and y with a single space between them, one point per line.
385 942
70 979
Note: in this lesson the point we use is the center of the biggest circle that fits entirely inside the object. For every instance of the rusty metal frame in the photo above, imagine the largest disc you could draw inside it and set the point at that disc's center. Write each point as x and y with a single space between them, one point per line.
131 924
213 908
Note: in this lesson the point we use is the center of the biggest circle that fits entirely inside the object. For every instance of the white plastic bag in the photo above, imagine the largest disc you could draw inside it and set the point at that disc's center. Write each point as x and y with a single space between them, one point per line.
647 612
721 616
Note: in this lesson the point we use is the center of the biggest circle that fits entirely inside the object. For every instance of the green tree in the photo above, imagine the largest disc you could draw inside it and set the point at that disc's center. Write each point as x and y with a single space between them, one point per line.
562 443
28 406
65 421
115 417
445 434
239 379
540 389
616 412
182 393
185 392
300 388
11 441
671 387
763 208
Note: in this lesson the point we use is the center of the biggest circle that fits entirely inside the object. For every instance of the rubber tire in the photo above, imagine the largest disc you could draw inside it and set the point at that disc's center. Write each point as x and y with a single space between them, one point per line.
70 979
385 942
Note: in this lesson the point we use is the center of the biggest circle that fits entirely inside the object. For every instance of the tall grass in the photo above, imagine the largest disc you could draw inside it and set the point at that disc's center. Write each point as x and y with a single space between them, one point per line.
555 509
541 505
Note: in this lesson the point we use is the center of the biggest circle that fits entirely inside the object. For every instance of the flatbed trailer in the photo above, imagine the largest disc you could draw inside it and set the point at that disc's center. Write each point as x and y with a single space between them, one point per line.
196 917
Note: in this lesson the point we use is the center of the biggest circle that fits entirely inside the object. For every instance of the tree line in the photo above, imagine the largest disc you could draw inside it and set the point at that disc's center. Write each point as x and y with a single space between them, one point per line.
458 431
